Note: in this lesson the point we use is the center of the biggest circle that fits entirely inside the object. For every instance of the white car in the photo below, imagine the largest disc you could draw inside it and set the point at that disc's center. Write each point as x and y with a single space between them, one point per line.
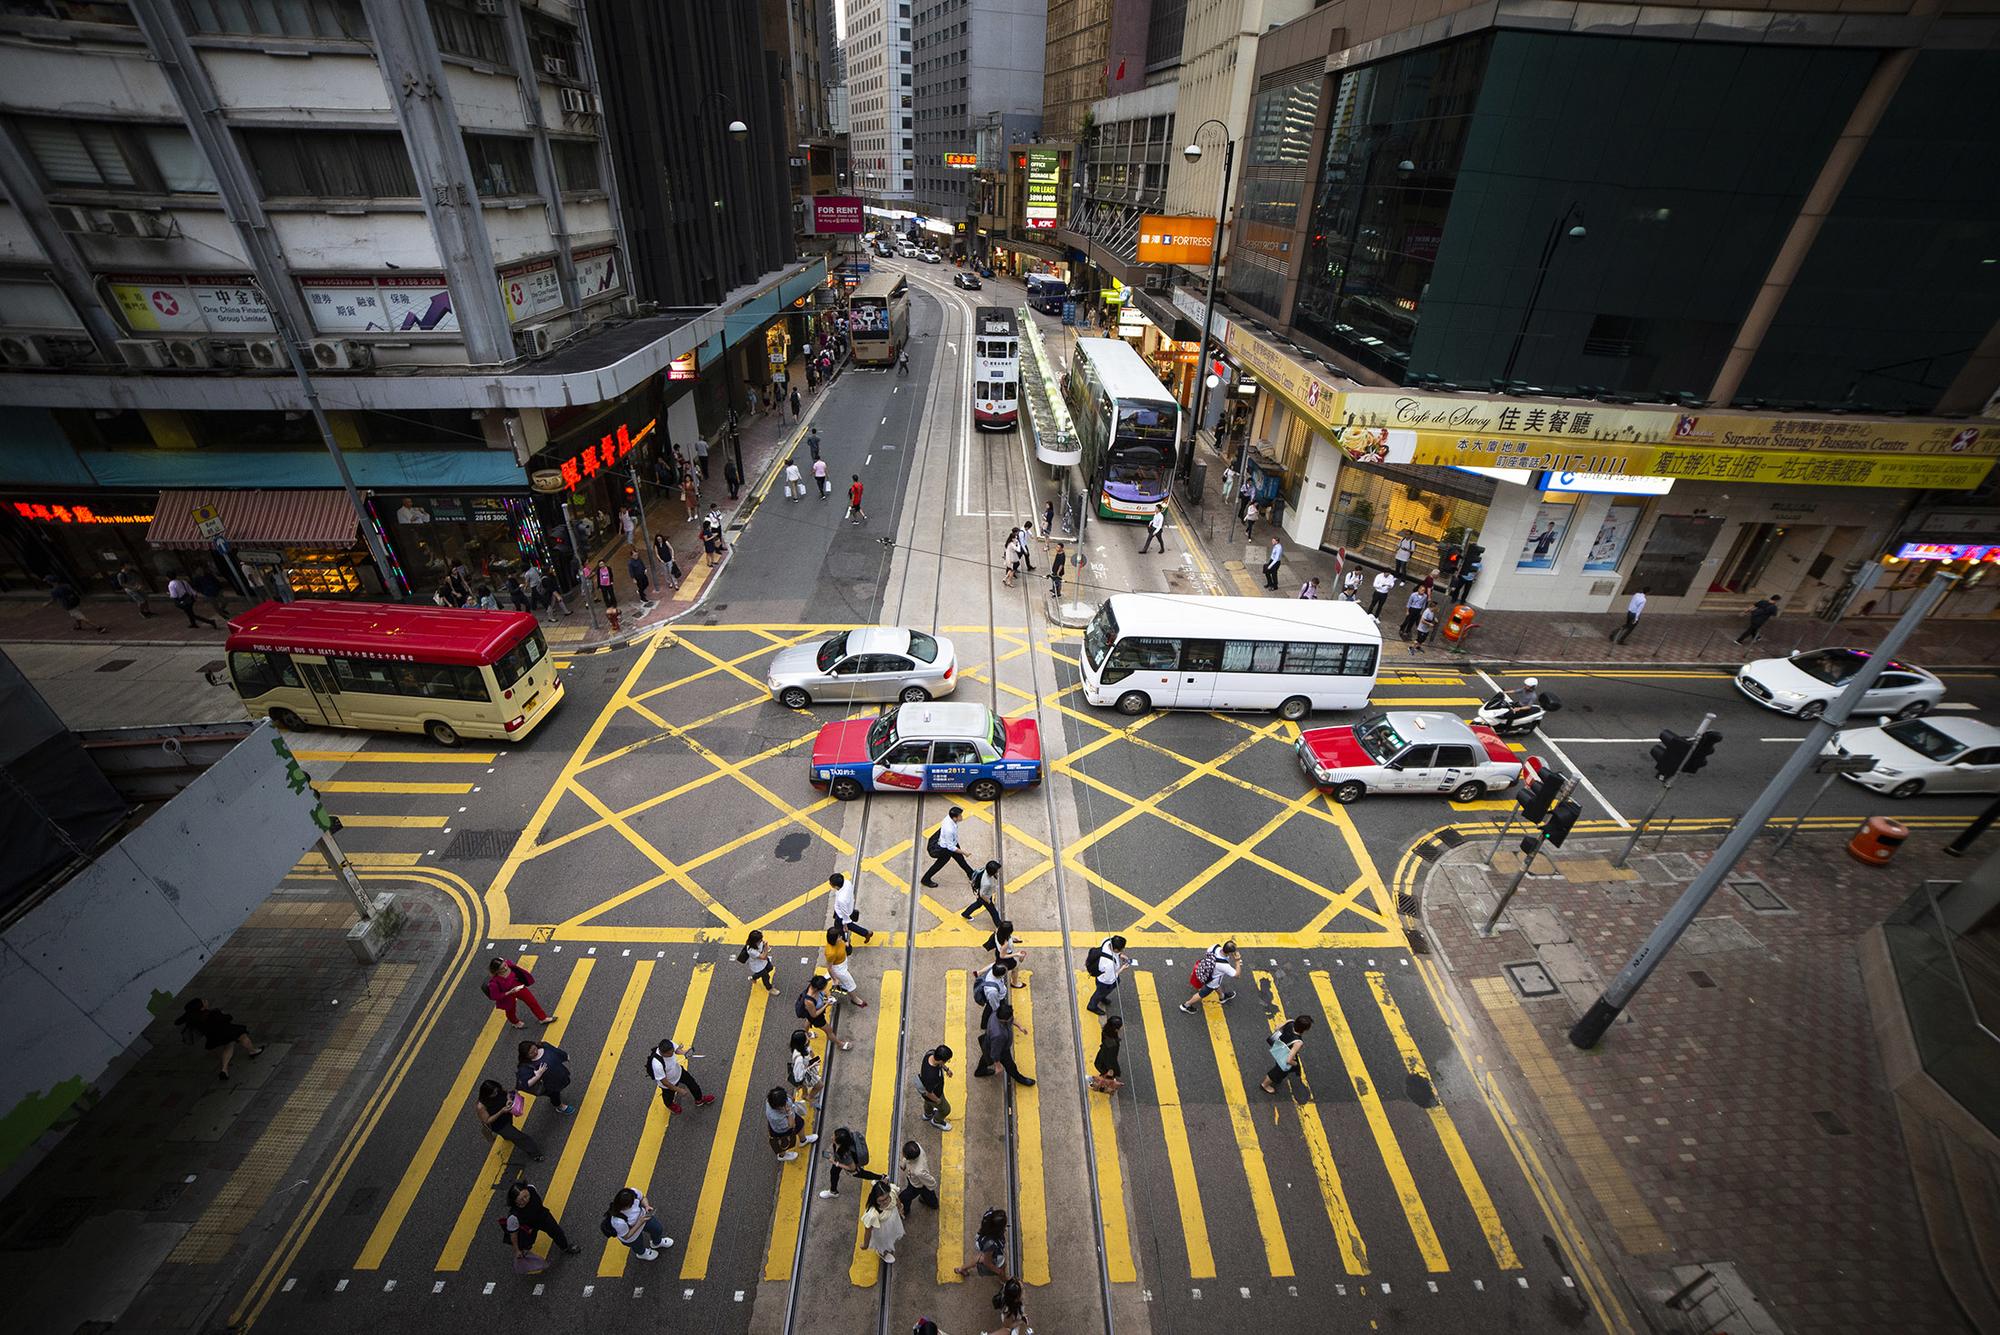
1404 752
1803 685
866 663
1927 755
930 257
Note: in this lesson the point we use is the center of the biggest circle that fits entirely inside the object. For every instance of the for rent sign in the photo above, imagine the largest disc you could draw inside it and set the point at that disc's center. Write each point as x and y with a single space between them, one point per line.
836 215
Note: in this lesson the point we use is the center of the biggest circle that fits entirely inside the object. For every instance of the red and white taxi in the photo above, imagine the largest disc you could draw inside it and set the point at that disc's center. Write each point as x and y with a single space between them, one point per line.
927 747
1407 752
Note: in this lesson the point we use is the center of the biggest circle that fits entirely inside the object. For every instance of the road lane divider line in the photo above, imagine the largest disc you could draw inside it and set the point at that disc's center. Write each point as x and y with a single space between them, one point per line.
394 822
951 1144
1469 1180
393 789
1110 1173
865 1267
1173 1130
454 1108
1030 1187
483 1195
1569 766
396 757
646 1154
1393 1162
609 1063
1346 1229
729 1121
1263 1203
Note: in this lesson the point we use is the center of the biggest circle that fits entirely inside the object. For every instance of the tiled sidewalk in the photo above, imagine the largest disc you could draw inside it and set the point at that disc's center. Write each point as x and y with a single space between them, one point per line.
1742 1115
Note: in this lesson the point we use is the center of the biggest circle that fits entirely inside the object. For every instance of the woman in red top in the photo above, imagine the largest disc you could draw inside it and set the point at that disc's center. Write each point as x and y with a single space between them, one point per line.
508 985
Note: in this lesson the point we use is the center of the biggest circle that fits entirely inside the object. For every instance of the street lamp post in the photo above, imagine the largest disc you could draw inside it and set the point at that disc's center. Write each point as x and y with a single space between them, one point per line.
1557 231
1185 461
737 131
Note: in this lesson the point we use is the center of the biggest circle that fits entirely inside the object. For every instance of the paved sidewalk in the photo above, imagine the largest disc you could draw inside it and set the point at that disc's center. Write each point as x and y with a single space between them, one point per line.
149 1206
1704 638
1739 1113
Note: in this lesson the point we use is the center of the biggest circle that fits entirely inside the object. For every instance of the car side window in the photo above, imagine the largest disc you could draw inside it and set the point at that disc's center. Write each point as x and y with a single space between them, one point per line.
955 753
850 665
889 663
1456 757
1416 757
909 753
1985 755
1895 681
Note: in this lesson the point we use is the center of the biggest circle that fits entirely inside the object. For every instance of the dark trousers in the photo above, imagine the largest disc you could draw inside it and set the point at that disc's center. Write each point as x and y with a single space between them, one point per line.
852 927
643 585
507 1131
701 462
1277 1075
980 902
1402 565
1410 619
1271 575
865 1174
1001 1055
688 1082
1375 601
540 1220
1756 629
942 856
1624 632
1151 538
187 605
1100 996
916 1193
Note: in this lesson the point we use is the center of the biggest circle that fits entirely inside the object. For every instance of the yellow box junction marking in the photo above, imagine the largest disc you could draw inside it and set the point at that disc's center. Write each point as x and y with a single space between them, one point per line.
646 1154
1378 1125
1104 1139
456 1107
722 1151
1447 1133
1173 1130
1346 1231
609 1062
951 1144
394 822
866 1266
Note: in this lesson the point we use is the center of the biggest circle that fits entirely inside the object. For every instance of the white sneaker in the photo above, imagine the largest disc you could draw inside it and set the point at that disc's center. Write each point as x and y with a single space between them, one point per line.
788 1156
807 1140
888 1258
666 1242
827 1195
649 1255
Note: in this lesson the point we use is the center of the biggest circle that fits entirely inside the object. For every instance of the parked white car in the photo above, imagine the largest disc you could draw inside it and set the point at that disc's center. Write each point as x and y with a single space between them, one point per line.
1803 685
1930 755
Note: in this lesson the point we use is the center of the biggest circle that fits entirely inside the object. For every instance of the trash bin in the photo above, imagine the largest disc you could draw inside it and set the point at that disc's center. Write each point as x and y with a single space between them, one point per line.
1877 840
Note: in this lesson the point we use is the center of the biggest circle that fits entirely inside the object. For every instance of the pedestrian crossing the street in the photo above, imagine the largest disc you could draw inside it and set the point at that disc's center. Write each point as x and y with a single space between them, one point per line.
1203 1178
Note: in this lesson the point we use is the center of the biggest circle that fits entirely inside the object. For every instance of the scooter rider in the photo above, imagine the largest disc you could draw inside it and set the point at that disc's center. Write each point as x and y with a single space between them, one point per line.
1522 701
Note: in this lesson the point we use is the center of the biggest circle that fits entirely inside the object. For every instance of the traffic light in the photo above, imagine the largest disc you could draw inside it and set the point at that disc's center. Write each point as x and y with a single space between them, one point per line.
1540 794
1704 747
1448 560
1671 753
1474 554
1560 821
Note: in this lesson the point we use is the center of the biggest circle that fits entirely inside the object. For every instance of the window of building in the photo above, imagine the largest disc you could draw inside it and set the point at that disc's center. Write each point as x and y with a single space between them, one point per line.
500 165
463 31
334 164
34 304
576 164
151 158
279 18
554 47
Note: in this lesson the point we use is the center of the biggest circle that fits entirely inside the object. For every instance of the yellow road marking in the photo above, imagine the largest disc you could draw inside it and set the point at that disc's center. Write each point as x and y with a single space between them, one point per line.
668 867
792 1184
493 1171
386 789
394 822
1173 1130
1104 1138
694 579
866 1266
722 1150
1401 701
1378 1124
610 1062
646 1154
1405 680
1346 1231
451 1110
385 859
951 1144
397 757
1277 1255
1447 1133
1485 804
1240 849
1030 1186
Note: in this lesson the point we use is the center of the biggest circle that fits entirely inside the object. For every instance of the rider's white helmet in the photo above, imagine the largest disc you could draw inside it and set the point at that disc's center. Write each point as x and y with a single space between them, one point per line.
1531 682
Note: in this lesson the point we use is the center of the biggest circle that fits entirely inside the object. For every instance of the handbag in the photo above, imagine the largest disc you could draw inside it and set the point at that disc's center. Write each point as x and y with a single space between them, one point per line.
527 1263
517 1105
1281 1053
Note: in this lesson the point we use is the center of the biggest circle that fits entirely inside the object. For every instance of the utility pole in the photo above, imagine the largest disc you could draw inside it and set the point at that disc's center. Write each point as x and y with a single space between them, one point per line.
1653 810
1586 1032
583 589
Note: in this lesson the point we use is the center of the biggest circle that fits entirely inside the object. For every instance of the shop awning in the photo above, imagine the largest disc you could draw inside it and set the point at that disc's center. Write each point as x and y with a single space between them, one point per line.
256 518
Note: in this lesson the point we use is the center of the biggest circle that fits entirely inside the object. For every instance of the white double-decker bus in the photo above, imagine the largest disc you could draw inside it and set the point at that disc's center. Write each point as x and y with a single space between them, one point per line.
1175 651
996 369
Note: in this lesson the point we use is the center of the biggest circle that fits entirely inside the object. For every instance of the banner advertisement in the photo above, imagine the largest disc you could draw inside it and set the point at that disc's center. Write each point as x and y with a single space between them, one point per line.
379 303
1545 537
1044 167
530 290
1176 240
344 305
190 304
1315 399
1614 534
417 303
597 273
837 215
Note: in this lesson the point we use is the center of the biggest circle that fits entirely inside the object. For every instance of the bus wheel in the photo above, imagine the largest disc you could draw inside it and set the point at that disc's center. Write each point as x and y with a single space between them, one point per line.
1295 708
984 790
1350 792
441 732
794 697
287 720
846 789
914 695
1134 703
1470 791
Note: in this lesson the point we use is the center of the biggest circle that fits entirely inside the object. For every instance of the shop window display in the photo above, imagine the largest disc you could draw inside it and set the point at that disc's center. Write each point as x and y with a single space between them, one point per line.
1437 506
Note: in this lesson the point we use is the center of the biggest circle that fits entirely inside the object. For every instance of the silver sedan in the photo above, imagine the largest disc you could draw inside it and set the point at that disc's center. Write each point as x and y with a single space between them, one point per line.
867 663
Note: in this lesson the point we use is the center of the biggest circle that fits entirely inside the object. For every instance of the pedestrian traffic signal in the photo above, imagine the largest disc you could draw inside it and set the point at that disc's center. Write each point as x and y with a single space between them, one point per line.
1671 754
1704 747
1541 793
1474 554
1560 822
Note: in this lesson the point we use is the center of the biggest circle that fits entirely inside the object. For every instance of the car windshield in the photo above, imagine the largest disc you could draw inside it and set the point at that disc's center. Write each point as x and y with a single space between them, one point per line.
1832 666
1379 738
1925 739
831 652
881 735
1098 637
998 738
922 647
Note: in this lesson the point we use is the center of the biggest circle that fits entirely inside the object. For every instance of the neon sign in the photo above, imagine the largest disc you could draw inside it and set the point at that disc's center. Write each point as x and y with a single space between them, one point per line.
604 455
1949 551
73 514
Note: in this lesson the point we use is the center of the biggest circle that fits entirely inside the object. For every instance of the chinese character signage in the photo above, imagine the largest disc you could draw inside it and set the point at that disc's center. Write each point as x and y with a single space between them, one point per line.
1164 240
44 513
530 290
1044 176
379 303
1984 553
961 161
190 304
598 273
603 456
836 215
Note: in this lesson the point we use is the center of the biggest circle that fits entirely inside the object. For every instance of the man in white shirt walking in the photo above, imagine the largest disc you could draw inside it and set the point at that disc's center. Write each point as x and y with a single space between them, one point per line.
795 485
181 594
845 916
1156 531
1633 611
943 847
1275 555
1112 961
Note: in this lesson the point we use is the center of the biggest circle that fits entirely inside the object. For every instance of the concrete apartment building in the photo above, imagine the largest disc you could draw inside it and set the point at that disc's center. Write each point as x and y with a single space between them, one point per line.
881 103
419 205
978 64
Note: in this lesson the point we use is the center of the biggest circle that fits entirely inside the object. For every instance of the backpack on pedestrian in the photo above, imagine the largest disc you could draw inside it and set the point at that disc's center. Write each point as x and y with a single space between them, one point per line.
1093 960
1203 973
860 1143
799 1006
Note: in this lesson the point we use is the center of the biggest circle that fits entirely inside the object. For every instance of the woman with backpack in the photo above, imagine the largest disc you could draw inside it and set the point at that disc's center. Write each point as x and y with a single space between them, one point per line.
989 1249
1286 1042
1211 973
631 1220
785 1118
850 1152
814 1005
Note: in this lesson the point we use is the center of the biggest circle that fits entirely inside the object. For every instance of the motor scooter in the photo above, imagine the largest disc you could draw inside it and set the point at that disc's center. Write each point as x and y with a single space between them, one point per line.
1510 718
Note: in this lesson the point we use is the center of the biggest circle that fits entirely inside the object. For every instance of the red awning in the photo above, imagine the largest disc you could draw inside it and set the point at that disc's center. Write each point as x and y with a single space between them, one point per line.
321 518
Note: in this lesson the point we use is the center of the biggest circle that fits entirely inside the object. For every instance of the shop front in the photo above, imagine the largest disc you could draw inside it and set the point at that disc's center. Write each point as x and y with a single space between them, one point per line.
281 544
82 538
600 460
488 536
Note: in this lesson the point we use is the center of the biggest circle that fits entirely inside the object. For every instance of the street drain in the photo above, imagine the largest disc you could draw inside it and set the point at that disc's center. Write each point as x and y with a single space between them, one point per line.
1831 1123
1757 895
478 846
1530 979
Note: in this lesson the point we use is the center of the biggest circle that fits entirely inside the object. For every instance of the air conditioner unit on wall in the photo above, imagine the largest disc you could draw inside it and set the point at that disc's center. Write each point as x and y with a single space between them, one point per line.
24 350
341 354
145 354
72 219
555 65
578 102
265 354
131 222
533 340
190 354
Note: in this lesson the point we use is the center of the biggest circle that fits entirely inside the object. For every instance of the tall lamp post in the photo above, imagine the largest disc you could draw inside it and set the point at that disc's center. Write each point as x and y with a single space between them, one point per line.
1193 154
739 132
1560 228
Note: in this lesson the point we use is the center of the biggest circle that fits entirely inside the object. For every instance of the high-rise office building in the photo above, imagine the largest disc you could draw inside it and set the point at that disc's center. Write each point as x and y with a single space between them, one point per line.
881 101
